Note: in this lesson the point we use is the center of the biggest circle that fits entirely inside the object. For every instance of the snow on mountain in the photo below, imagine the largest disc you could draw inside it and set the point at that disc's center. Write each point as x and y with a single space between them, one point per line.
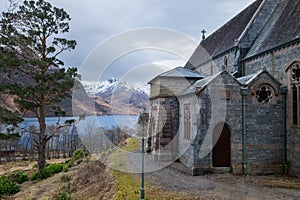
118 96
98 88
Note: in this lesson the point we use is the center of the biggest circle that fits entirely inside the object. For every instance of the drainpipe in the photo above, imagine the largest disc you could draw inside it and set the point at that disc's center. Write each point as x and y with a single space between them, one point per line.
244 92
243 68
283 91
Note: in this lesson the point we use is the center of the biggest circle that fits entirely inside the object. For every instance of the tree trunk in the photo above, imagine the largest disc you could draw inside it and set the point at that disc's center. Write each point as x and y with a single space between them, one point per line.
42 155
42 136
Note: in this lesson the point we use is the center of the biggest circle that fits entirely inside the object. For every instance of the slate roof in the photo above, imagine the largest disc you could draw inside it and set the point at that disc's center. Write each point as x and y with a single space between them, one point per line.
181 72
202 83
246 80
282 27
224 38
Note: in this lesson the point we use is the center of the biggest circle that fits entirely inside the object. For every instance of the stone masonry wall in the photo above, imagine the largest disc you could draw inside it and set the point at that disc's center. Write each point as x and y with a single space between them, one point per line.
218 64
276 62
293 134
163 128
219 102
264 129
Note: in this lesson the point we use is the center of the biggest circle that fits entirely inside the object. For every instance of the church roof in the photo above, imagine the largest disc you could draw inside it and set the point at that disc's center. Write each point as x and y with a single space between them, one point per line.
282 27
181 72
246 80
202 83
224 38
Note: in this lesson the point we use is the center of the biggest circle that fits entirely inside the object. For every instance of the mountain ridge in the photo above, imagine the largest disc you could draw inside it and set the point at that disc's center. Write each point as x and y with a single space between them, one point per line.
118 96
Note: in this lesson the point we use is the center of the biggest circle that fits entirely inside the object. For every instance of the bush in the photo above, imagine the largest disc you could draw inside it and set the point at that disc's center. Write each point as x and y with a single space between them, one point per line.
18 177
69 163
63 195
78 154
56 168
48 171
8 187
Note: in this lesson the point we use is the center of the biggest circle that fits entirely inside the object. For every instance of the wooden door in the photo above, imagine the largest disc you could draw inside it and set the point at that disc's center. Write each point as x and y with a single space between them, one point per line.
221 148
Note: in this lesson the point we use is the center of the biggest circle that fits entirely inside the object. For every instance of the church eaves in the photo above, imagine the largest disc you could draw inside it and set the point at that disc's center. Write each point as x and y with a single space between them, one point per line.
180 72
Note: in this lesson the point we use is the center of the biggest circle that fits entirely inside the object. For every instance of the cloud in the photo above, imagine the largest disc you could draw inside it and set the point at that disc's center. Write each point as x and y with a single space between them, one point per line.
95 22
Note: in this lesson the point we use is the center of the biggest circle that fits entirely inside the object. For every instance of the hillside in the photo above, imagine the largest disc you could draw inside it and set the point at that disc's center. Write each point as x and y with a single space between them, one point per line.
101 98
117 97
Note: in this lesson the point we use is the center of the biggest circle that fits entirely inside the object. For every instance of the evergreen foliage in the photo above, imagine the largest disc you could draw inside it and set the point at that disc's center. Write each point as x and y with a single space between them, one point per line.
30 44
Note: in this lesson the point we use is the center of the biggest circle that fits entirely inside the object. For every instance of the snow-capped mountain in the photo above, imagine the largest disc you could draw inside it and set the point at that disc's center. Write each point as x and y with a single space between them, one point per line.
117 97
98 88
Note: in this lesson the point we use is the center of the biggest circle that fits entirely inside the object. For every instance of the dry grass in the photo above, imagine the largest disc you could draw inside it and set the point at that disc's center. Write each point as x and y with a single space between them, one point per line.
92 181
128 185
280 182
89 180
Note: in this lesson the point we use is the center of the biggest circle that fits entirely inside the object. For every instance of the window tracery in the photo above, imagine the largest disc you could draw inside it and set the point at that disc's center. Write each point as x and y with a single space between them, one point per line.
264 94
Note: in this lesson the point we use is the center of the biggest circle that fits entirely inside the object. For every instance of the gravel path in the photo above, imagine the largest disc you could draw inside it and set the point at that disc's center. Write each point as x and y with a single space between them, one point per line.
175 177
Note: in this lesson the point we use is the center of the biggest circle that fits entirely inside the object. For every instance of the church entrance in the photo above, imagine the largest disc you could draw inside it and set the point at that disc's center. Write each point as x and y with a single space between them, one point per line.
221 148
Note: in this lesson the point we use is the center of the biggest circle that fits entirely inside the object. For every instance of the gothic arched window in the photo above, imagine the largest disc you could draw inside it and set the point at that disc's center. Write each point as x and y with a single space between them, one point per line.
295 92
187 122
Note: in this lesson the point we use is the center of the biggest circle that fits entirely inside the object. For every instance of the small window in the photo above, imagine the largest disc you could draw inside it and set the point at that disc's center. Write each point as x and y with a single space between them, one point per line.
264 94
225 61
225 94
187 122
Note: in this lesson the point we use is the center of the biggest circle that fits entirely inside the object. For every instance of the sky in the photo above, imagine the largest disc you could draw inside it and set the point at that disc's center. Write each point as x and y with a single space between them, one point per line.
135 40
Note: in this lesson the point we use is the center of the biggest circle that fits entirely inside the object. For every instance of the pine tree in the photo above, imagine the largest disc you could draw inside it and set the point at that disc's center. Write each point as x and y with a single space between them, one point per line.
30 43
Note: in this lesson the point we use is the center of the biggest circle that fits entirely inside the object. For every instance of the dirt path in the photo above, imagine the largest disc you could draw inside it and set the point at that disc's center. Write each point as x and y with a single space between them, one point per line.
175 177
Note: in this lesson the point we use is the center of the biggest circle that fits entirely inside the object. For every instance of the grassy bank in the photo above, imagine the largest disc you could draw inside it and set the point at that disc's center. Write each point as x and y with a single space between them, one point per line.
128 184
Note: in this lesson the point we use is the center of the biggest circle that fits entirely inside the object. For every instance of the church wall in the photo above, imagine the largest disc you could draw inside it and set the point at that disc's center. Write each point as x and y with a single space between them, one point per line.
218 64
275 62
226 62
293 135
217 103
230 98
234 121
169 86
264 129
186 147
163 128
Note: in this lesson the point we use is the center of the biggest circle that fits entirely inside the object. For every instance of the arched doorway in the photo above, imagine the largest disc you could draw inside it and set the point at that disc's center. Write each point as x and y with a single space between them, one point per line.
221 146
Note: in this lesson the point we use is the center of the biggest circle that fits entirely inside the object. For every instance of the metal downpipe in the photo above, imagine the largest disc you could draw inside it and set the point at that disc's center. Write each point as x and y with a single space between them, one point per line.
244 92
283 91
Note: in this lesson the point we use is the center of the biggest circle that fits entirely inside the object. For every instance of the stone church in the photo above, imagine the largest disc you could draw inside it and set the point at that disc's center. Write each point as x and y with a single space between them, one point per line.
235 105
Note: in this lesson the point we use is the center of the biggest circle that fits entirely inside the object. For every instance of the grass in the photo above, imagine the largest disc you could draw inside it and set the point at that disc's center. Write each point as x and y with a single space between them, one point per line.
128 185
280 183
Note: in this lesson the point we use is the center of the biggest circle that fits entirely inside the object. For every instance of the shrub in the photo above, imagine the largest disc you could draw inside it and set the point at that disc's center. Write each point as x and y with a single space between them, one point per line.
69 163
45 173
48 171
18 177
63 195
78 154
56 168
8 187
